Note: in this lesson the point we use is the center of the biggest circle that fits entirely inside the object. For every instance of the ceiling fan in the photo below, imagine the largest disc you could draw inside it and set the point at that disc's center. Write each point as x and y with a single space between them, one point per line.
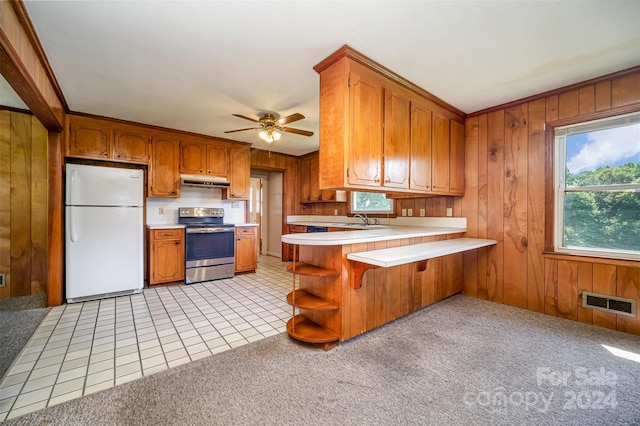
270 126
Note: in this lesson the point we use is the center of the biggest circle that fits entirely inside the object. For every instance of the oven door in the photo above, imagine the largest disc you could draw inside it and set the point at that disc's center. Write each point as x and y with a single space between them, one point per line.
209 246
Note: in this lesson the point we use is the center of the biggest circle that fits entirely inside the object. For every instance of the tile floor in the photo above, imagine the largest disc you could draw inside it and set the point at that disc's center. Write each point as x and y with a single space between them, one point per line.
83 348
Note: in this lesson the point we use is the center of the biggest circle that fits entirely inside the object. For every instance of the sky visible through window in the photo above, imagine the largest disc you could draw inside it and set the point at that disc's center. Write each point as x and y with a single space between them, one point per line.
610 147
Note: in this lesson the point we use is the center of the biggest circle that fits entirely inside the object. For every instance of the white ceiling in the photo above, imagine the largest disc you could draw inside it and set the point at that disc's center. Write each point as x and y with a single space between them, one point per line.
189 65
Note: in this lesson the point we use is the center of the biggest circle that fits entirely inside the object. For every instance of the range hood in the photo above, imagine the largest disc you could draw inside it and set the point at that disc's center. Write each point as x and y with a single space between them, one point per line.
204 181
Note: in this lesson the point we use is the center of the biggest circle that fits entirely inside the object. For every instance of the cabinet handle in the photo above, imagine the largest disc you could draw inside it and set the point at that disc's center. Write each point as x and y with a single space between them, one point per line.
376 180
387 180
177 243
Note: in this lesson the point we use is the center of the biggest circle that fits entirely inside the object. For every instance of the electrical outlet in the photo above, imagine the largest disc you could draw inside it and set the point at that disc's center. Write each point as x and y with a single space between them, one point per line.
335 212
161 211
3 280
422 212
235 205
404 212
449 212
410 212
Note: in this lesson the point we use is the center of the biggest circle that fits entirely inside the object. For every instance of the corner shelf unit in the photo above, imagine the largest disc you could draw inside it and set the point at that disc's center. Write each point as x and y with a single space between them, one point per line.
300 327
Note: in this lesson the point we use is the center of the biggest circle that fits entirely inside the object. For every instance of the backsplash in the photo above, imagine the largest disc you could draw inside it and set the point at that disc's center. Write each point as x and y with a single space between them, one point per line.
193 197
446 222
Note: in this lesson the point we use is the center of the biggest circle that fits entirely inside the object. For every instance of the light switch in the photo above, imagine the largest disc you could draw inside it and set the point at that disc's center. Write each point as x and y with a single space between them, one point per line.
161 211
404 212
449 211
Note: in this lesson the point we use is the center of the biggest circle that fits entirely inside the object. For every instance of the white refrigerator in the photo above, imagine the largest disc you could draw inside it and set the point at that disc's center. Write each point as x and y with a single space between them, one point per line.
103 232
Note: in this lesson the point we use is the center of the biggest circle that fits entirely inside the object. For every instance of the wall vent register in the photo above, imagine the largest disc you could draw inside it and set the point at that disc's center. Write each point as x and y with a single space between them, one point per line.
611 304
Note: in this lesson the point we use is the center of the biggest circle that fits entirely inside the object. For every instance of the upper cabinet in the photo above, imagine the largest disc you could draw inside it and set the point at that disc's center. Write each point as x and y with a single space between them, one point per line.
164 176
104 140
201 158
379 132
309 188
167 154
239 171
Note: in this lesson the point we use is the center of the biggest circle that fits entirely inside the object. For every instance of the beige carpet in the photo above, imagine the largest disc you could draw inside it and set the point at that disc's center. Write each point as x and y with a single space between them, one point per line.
461 362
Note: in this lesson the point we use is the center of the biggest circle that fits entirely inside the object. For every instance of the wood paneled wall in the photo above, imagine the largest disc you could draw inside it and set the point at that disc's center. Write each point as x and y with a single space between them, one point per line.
23 204
505 200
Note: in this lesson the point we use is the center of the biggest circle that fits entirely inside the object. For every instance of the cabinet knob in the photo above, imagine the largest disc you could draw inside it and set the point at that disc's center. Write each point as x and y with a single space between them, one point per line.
387 180
177 243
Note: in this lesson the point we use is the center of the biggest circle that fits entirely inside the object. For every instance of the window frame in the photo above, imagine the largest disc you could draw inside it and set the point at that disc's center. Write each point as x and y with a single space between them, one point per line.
556 188
376 213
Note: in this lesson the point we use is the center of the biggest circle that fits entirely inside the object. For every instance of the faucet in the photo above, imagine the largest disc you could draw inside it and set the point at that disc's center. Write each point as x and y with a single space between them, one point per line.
364 218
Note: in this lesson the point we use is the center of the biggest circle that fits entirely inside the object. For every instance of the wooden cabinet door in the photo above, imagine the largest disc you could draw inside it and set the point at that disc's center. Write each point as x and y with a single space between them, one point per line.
89 138
440 154
246 255
193 158
314 179
217 161
456 156
131 147
397 125
304 179
365 132
167 255
164 174
239 170
420 166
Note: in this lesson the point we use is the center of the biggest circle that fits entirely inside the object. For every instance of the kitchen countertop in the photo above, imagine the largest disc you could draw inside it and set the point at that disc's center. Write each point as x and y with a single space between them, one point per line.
246 224
372 233
164 226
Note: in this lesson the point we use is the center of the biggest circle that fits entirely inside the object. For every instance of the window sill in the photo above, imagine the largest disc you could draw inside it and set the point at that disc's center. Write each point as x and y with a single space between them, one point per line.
591 259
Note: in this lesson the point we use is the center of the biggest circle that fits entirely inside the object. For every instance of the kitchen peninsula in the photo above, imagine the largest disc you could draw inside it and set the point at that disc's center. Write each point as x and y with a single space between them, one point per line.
339 298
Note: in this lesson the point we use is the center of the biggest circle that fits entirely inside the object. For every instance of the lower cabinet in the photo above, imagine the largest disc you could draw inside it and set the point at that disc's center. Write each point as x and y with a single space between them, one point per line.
246 254
166 255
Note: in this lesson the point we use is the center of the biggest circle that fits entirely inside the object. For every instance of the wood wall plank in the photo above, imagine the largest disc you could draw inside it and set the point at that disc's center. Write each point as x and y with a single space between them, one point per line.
569 104
495 197
603 95
585 283
469 207
625 90
568 290
535 206
5 201
628 286
515 205
551 287
39 204
586 100
20 204
483 162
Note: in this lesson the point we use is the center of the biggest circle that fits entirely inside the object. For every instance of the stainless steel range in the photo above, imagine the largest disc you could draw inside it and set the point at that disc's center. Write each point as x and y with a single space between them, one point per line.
209 252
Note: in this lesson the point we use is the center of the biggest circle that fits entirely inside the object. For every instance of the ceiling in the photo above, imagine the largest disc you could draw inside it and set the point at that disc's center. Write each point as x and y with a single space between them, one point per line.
189 65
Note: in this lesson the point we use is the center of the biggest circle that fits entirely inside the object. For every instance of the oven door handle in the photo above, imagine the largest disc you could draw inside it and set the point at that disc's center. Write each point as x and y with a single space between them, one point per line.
208 230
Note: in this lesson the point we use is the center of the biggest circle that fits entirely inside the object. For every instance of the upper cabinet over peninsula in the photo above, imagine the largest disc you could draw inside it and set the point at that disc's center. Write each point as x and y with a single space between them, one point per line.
379 132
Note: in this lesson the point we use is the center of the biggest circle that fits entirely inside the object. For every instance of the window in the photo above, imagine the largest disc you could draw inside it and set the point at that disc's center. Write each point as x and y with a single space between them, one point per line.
371 202
597 188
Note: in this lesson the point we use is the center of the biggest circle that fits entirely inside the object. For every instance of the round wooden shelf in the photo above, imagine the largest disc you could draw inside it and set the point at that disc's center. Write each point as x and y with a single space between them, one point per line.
305 300
311 270
301 328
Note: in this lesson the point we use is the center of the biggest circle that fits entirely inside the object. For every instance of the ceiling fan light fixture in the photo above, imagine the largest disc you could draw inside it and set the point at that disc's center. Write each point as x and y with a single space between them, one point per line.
269 135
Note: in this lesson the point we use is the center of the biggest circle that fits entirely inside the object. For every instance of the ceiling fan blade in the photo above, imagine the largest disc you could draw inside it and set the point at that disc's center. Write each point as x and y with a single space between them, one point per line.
291 118
242 130
245 117
297 131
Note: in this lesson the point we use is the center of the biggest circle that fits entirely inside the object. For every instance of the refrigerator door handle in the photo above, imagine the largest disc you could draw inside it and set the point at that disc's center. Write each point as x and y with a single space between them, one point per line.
72 185
72 232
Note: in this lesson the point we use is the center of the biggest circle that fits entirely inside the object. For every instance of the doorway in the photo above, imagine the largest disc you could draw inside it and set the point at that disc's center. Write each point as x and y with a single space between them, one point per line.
266 209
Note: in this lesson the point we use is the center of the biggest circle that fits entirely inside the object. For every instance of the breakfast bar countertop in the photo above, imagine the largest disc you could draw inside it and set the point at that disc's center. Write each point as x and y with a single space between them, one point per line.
372 233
